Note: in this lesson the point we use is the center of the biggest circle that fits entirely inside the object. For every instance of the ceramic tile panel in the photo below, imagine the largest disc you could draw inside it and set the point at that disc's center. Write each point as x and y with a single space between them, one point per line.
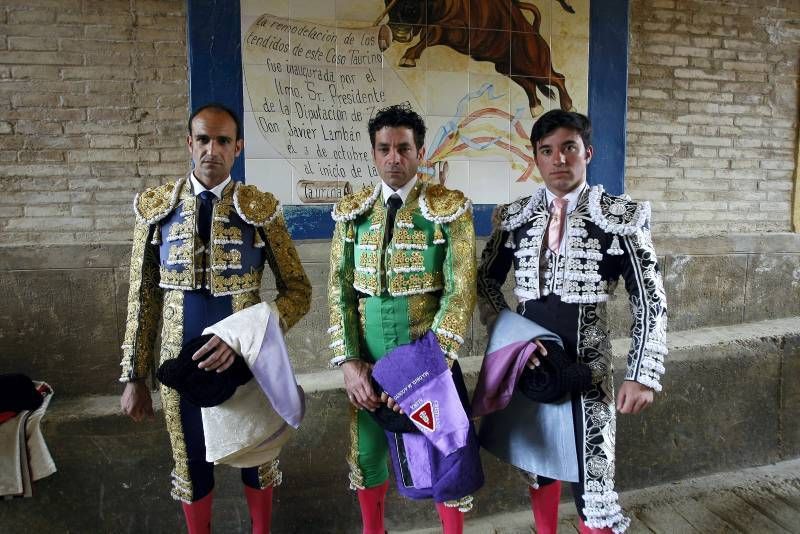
489 181
273 175
316 71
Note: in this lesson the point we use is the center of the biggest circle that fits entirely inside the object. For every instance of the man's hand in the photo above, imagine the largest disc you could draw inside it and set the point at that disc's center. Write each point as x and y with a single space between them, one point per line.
357 375
533 360
136 402
221 356
391 403
633 397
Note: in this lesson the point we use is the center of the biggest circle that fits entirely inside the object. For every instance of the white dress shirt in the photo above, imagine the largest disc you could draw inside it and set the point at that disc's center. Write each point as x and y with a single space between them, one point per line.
403 192
198 188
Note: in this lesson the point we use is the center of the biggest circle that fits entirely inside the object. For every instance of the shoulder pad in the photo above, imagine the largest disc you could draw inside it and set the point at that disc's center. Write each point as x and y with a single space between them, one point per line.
256 207
441 205
513 215
617 215
152 205
354 204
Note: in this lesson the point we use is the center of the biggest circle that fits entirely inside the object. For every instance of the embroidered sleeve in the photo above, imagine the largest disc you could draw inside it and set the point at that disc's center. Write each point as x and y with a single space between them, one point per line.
294 288
342 301
649 309
144 306
452 320
496 261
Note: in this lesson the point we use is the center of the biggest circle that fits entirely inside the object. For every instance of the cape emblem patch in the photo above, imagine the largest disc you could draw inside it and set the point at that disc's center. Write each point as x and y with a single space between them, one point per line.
423 416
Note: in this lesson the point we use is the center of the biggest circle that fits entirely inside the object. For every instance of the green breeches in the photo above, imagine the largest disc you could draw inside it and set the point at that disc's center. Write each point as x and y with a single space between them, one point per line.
386 326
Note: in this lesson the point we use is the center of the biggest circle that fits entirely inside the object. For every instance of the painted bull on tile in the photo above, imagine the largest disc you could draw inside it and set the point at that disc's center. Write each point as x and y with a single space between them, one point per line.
486 31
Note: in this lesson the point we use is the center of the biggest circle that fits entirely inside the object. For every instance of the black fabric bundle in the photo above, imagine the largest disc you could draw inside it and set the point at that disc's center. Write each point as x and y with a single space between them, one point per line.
198 386
555 376
18 393
390 420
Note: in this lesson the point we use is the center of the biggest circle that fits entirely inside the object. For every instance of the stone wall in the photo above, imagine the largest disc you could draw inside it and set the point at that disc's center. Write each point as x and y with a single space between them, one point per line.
93 103
63 320
712 113
93 99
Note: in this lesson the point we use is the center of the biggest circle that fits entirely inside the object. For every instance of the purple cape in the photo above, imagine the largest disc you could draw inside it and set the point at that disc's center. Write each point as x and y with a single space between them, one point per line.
442 462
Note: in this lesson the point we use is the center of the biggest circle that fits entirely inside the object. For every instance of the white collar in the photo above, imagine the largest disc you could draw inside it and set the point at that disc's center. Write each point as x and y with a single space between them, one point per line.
571 197
402 192
198 188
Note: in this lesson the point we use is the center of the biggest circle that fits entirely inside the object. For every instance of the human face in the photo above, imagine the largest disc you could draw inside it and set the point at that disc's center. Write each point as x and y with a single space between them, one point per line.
396 156
213 146
562 160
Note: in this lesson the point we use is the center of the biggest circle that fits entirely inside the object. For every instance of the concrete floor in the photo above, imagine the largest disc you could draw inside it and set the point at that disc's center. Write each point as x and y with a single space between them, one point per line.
761 500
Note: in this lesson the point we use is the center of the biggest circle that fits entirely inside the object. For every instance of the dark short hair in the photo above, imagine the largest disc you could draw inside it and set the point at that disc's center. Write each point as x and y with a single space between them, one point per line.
557 118
400 115
221 108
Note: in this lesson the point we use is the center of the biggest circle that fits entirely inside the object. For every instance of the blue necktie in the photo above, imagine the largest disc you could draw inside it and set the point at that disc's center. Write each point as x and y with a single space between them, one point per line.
205 209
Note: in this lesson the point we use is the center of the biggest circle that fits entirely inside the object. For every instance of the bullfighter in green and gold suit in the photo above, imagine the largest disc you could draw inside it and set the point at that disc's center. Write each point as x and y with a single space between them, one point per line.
402 263
199 249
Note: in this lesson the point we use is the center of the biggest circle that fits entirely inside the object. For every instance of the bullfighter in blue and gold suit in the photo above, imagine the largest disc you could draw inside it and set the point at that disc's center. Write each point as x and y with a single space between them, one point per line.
199 249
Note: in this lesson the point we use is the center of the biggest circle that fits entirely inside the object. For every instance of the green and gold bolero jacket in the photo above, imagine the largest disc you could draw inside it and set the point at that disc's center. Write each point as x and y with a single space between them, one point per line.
430 260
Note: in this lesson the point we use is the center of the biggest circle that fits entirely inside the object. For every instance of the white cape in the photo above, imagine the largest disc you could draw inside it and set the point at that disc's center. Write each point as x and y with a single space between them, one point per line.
250 428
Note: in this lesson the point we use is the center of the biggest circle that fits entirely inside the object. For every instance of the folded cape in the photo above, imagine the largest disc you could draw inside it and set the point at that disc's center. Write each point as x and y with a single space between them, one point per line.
24 456
533 436
250 428
442 461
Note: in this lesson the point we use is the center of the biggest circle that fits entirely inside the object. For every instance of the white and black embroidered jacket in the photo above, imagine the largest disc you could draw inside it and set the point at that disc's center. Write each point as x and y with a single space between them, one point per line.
607 237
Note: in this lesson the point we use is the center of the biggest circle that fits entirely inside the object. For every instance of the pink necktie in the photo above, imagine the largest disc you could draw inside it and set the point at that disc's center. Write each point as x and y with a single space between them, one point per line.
555 229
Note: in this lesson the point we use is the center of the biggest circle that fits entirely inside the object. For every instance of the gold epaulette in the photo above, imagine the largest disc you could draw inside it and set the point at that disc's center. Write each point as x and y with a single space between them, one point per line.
256 207
152 205
355 204
441 205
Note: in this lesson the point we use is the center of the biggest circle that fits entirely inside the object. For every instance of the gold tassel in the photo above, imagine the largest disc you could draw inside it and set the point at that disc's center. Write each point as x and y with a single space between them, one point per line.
350 234
438 237
257 241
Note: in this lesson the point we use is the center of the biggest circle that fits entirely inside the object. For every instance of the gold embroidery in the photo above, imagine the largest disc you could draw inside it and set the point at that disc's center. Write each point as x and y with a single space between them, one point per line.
255 206
154 204
402 284
405 236
374 238
352 203
356 475
411 260
341 296
222 259
421 311
294 288
458 298
235 283
404 218
223 235
369 259
182 279
269 474
171 341
378 216
366 282
241 301
181 254
181 230
443 202
144 302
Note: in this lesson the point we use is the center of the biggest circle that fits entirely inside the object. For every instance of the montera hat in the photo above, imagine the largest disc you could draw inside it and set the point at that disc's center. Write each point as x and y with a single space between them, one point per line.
198 386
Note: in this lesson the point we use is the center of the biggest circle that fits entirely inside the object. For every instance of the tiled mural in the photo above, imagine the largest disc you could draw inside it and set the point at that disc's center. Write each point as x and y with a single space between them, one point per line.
479 72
